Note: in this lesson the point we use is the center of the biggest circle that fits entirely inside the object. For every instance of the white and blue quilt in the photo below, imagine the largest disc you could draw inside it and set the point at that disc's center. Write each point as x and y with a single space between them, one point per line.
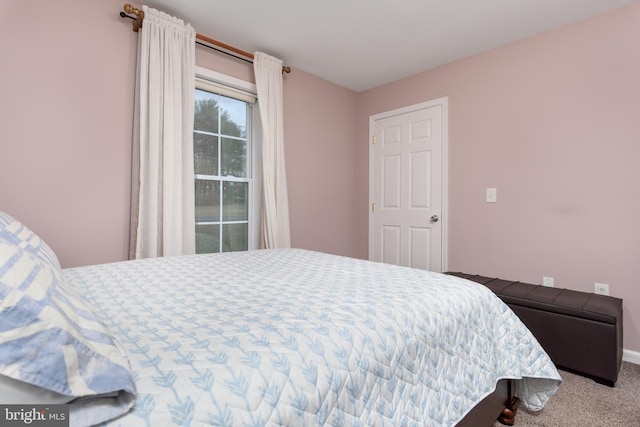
293 337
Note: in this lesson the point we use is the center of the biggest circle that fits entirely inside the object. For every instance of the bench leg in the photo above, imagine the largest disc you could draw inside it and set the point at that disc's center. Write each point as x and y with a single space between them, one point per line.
508 415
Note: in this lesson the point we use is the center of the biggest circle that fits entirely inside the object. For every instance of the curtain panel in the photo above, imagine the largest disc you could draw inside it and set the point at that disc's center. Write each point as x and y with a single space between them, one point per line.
275 208
163 218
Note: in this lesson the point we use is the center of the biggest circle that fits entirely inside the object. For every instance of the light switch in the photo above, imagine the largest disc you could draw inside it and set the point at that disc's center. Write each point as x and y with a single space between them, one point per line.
492 195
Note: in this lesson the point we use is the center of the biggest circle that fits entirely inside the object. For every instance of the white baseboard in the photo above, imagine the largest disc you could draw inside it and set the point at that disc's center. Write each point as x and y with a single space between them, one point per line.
631 356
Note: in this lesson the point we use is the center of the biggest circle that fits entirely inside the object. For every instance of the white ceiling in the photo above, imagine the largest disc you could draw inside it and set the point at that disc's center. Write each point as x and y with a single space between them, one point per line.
360 44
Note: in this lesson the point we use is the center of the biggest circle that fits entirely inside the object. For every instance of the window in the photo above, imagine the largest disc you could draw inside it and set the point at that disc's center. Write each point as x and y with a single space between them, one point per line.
224 172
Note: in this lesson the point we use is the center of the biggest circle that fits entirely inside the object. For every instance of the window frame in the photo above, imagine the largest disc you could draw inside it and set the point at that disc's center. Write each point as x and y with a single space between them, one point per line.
222 84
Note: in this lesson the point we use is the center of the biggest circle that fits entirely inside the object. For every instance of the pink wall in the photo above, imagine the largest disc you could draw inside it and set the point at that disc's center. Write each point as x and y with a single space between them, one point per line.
320 134
66 111
66 107
552 123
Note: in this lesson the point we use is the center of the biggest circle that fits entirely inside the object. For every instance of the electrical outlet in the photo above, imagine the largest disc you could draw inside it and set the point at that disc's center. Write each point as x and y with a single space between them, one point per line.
601 288
547 281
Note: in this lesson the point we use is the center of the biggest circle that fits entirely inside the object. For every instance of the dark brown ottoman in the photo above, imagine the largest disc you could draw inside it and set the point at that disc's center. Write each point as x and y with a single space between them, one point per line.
581 332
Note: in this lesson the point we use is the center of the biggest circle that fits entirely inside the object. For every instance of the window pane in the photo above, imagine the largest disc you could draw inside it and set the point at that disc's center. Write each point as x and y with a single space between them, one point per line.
221 150
206 111
235 237
207 238
205 152
207 200
234 158
234 117
235 202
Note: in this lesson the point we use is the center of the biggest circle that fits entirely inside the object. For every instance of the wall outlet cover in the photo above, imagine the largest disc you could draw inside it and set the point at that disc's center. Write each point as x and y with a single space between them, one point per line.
601 288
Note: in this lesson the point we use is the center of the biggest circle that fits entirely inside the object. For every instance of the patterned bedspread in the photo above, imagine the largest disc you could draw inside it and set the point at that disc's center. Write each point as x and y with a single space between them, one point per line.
293 337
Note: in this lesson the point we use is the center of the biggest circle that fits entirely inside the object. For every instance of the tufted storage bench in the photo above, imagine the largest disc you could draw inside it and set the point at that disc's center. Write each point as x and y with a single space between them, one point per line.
581 332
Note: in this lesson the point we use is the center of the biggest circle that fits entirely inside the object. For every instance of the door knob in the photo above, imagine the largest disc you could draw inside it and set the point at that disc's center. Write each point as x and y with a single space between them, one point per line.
434 218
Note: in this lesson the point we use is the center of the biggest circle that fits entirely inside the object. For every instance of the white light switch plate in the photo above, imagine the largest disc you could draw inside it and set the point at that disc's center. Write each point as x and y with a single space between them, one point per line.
492 195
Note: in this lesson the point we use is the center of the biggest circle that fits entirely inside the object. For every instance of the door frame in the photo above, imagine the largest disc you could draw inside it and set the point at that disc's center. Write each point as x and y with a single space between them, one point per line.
444 218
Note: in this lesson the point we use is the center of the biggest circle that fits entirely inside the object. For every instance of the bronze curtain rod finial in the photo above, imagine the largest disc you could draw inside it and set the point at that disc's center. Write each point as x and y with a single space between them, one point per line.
137 24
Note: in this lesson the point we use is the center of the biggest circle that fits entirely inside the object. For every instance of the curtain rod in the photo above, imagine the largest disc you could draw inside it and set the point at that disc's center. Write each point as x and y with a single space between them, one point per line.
208 41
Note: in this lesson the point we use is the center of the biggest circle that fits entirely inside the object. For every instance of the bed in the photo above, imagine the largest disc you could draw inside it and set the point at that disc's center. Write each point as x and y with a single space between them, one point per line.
260 338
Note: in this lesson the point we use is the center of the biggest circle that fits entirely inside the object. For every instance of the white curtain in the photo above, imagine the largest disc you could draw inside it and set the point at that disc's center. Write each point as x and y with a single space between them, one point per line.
275 209
162 218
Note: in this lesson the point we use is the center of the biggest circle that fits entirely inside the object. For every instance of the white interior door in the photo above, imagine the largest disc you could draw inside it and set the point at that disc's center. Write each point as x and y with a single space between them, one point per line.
407 186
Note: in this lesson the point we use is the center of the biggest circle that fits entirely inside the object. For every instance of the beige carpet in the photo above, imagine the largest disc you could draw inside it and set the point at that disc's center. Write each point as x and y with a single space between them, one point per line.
582 402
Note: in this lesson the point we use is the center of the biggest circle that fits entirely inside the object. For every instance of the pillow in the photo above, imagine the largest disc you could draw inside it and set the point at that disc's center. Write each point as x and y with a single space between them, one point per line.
17 233
51 338
14 392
